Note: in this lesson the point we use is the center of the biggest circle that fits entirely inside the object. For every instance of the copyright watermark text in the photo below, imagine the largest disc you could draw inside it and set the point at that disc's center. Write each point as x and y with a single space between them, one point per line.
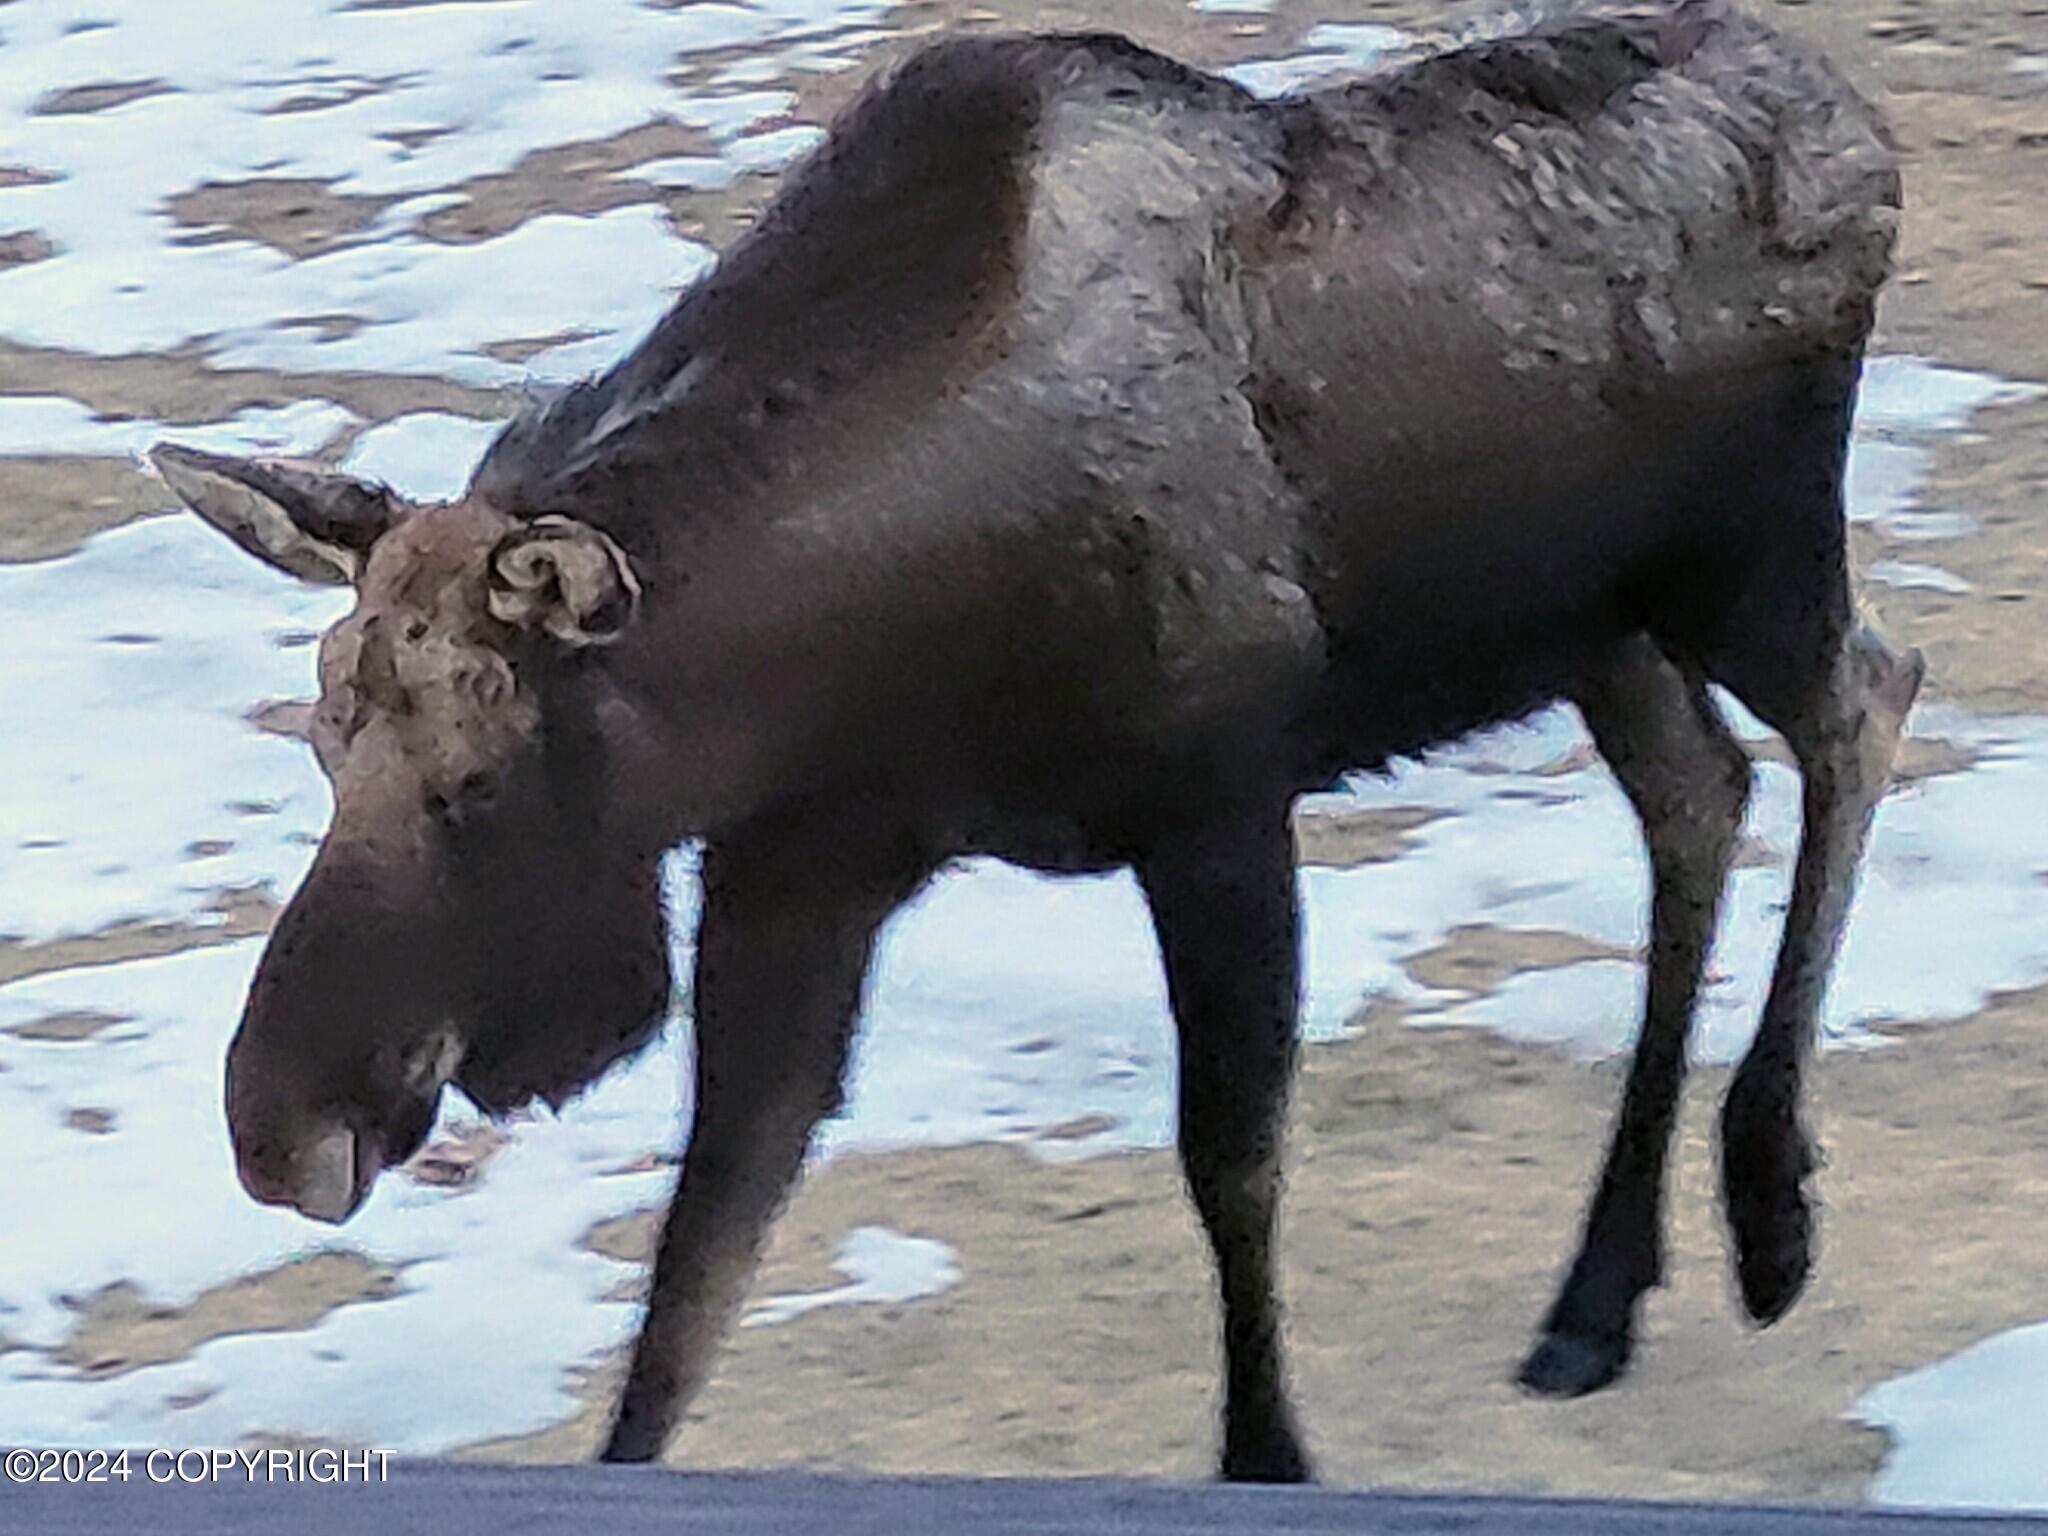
299 1464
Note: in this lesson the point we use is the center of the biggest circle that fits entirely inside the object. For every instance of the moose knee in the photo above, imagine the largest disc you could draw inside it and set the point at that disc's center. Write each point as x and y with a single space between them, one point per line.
1695 823
1881 685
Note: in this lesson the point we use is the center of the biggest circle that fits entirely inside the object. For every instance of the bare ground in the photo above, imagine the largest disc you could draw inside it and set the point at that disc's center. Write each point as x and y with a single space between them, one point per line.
1436 1186
232 914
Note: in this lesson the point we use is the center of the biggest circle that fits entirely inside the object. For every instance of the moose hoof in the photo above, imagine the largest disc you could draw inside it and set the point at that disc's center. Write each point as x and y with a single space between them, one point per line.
1773 1252
632 1441
1571 1365
1770 1216
1766 1158
624 1455
1274 1458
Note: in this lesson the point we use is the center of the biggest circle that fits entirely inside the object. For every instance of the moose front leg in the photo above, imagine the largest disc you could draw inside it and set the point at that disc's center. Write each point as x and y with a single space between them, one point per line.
782 947
1688 779
1223 904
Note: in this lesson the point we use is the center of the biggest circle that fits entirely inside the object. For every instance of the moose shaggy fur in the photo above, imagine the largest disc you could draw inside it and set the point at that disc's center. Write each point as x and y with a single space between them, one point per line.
1080 460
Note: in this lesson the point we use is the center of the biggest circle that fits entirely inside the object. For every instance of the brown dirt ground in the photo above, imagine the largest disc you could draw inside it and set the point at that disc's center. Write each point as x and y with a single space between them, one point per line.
49 504
234 914
1436 1183
118 1329
1438 1174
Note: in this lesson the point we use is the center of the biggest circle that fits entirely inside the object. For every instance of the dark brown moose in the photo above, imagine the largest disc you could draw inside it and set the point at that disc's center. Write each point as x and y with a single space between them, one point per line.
1080 460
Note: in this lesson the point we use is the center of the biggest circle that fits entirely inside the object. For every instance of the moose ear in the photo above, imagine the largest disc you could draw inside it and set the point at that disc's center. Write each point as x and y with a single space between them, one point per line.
316 524
566 578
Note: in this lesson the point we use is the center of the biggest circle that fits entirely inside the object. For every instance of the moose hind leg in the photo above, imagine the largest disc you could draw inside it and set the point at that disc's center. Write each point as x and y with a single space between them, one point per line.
781 951
1845 736
1773 618
1223 905
1688 780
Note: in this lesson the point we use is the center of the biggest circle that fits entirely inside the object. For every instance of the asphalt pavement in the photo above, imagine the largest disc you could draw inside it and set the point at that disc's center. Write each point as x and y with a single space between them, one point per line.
190 1497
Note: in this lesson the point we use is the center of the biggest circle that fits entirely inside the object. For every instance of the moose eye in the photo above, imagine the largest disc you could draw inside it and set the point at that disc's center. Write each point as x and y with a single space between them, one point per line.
451 807
489 684
331 729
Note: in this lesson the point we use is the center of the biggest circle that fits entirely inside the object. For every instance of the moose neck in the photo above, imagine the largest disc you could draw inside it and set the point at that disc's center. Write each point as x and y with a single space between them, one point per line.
820 619
771 457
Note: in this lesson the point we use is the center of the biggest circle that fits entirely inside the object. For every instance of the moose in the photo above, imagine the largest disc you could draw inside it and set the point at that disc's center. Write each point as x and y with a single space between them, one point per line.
1079 460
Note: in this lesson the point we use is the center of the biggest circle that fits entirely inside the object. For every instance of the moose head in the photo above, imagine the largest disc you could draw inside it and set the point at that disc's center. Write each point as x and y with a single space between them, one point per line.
472 916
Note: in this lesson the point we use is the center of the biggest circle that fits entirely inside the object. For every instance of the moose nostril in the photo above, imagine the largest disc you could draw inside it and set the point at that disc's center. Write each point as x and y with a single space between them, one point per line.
326 1178
263 1175
475 791
490 685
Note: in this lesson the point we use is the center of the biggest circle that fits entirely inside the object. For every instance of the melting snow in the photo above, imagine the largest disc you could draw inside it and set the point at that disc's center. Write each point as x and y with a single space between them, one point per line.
882 1268
1970 1431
